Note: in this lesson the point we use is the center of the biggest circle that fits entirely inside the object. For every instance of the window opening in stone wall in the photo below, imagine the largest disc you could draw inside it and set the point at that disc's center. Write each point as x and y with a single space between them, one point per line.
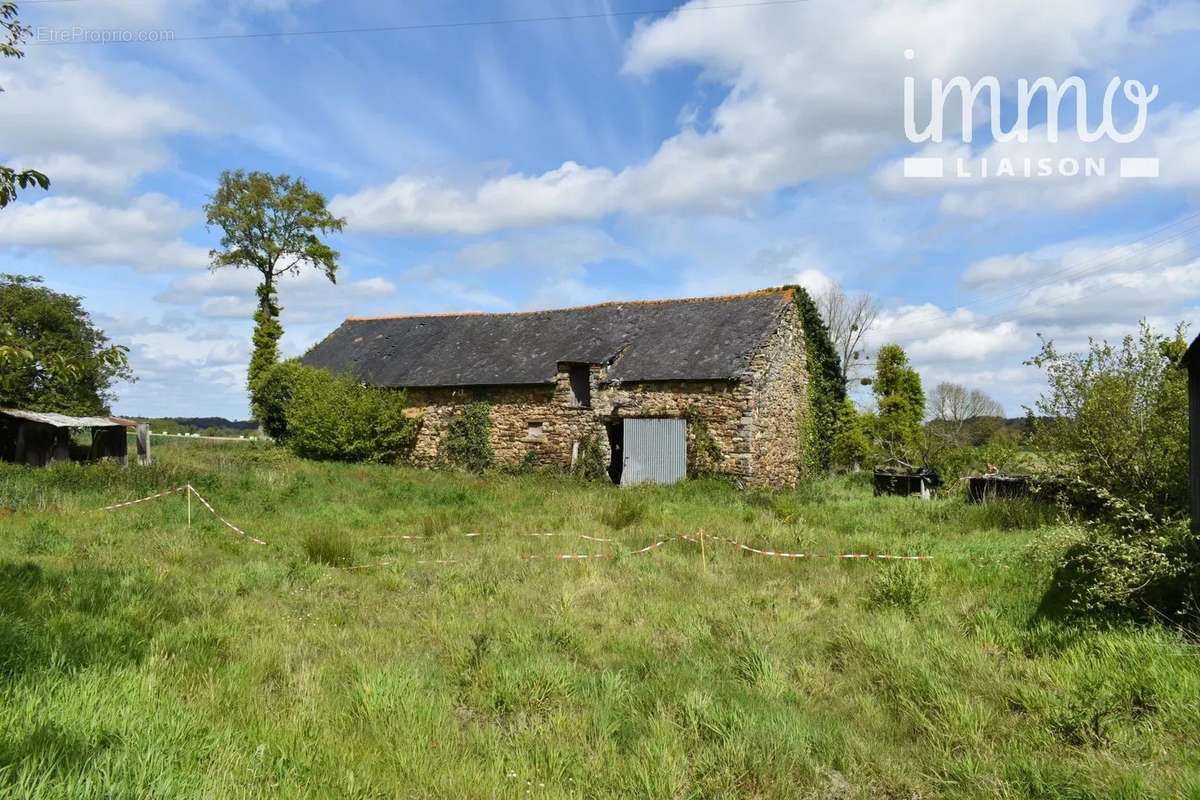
581 385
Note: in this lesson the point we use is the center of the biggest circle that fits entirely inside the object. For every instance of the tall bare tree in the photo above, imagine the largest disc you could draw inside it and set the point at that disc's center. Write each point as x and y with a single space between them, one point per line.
849 318
952 407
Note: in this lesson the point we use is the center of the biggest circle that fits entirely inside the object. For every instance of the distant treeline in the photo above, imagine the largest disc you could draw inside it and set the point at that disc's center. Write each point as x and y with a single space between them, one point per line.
977 431
215 422
204 426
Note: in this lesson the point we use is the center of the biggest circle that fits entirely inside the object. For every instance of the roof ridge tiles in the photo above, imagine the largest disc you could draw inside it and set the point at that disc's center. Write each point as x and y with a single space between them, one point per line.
783 291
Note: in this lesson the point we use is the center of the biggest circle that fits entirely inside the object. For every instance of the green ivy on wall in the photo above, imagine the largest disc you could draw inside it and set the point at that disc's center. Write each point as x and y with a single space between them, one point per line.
826 387
704 454
468 440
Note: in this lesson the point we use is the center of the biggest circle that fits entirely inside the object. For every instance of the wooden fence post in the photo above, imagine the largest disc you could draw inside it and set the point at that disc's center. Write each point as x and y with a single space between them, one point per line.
143 443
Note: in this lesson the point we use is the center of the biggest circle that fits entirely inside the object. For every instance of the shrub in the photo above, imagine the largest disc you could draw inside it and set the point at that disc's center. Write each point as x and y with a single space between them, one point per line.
334 418
592 463
1115 418
468 442
1113 426
272 394
528 465
902 586
1129 562
329 547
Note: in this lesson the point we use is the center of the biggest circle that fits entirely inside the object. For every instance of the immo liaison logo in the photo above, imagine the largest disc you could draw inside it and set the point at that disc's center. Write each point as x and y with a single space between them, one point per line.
1079 163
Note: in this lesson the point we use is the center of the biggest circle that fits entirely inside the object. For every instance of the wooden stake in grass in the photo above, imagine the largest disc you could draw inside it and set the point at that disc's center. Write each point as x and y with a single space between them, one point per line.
189 497
703 555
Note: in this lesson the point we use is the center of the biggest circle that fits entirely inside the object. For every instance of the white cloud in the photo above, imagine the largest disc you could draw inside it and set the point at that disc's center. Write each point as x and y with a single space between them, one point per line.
563 247
931 334
143 234
1067 292
1086 284
82 130
176 360
1172 136
1073 260
813 91
305 298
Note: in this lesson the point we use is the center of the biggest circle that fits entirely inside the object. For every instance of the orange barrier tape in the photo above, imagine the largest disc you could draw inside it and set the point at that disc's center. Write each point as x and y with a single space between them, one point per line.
556 557
776 554
205 503
421 538
144 499
229 524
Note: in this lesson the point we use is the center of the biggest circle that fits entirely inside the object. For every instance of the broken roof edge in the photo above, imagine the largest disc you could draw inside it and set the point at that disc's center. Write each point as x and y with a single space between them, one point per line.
785 293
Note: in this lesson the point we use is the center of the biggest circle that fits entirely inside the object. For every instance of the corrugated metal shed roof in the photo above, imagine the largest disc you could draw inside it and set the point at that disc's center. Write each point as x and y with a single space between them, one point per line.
64 421
694 339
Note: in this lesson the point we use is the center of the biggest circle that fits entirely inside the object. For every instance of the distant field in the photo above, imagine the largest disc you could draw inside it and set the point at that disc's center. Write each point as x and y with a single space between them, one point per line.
141 658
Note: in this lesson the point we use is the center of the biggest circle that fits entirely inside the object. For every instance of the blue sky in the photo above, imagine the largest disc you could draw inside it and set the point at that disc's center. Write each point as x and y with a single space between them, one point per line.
617 155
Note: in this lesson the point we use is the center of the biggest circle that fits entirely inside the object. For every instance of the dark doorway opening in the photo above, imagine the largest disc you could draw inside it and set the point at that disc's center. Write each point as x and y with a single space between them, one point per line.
616 448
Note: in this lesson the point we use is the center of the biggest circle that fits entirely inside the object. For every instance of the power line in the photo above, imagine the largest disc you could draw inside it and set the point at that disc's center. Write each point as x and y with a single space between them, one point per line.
424 26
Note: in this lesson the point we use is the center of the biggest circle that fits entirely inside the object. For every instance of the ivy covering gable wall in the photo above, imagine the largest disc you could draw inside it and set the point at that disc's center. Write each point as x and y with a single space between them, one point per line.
826 387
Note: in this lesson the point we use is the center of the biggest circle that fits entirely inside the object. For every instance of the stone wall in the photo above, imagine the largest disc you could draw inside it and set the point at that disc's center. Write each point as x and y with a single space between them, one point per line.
753 421
779 377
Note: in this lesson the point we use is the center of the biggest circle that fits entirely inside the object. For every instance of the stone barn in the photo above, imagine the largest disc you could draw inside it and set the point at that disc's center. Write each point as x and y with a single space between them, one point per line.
667 388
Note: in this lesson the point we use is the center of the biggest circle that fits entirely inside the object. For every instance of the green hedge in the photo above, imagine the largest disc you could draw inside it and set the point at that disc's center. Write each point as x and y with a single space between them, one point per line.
271 395
330 417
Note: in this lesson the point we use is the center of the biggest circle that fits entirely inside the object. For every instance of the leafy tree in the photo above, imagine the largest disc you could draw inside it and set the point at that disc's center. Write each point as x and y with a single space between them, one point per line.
12 33
901 402
53 357
852 443
11 353
272 224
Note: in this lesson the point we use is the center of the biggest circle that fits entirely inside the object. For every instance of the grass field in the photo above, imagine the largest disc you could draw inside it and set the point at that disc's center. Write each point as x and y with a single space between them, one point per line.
143 658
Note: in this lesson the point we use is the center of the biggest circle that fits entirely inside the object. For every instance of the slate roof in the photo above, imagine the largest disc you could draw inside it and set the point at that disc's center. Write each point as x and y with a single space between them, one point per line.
696 339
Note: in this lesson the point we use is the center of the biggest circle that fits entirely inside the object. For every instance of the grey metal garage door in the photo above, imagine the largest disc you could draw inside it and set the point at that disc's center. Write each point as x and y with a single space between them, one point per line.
655 451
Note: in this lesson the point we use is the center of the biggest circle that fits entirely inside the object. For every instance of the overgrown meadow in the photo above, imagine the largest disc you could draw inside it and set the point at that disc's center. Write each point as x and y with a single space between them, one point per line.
141 657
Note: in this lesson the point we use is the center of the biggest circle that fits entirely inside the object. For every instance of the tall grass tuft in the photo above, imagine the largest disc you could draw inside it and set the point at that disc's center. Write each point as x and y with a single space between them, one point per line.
42 538
902 586
329 547
625 511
